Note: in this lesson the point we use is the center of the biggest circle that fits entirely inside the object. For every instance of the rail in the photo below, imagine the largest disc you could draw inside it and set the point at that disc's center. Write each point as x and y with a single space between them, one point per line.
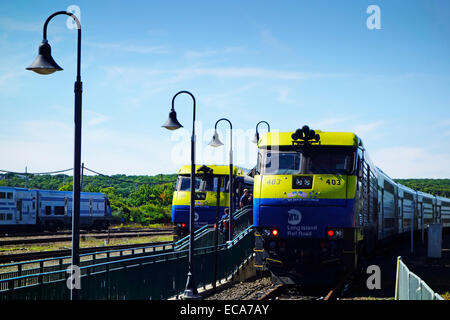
30 256
68 238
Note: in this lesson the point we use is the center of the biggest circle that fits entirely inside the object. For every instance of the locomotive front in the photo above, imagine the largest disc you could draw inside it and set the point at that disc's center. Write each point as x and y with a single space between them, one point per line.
304 204
205 197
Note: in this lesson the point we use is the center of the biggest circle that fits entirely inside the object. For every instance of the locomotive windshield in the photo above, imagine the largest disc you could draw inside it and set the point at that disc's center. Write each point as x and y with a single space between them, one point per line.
208 184
317 160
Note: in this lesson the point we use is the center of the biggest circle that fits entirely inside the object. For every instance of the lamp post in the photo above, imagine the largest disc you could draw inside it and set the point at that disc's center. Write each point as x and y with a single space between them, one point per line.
256 137
172 123
215 142
44 64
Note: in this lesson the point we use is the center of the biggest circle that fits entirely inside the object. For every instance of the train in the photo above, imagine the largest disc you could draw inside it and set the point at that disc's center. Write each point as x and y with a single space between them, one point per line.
206 183
320 205
24 209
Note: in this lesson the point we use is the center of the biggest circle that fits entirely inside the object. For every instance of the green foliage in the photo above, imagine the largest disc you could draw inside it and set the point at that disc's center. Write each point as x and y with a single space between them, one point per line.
436 187
145 200
66 187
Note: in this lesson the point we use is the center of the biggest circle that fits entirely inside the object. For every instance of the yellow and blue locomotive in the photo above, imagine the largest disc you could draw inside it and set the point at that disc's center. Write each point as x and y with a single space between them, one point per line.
207 180
320 203
315 199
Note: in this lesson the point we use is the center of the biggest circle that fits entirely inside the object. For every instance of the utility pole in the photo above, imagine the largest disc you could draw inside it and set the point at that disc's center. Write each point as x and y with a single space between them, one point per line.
82 173
26 177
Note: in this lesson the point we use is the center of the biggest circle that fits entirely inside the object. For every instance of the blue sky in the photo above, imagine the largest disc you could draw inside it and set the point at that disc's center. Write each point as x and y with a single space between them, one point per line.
295 63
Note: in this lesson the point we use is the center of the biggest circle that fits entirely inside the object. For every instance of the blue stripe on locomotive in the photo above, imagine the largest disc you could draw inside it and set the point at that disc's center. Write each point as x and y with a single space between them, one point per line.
305 219
206 214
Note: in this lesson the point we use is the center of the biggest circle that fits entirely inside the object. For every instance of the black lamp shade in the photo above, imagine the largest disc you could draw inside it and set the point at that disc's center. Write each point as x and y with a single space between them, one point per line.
172 123
44 63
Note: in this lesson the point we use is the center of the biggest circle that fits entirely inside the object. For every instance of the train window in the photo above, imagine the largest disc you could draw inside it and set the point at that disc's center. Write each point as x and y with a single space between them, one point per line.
2 195
274 162
2 216
59 210
330 160
9 195
9 216
318 160
210 184
48 210
184 183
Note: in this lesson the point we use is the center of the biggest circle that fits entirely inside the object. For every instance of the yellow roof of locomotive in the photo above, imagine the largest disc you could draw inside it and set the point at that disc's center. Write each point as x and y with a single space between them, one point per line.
217 170
326 139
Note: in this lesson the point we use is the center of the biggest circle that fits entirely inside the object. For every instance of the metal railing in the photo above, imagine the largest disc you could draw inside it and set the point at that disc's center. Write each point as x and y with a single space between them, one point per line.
158 274
409 286
41 267
204 236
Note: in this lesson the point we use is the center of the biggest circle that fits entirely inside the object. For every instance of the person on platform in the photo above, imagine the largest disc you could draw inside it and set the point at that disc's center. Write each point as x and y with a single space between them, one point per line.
246 199
224 225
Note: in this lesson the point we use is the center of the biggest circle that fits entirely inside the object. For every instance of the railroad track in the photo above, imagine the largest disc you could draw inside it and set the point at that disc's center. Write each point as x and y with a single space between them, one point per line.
104 235
67 252
294 292
68 232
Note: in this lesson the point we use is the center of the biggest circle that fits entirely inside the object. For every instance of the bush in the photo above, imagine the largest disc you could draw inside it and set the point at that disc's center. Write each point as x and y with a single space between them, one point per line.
151 213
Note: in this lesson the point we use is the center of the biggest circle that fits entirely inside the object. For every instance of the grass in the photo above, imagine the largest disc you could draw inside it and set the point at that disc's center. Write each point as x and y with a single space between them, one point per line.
446 295
84 243
138 225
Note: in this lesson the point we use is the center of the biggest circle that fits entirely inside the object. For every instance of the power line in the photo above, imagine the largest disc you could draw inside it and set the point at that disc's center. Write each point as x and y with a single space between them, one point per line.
36 173
86 168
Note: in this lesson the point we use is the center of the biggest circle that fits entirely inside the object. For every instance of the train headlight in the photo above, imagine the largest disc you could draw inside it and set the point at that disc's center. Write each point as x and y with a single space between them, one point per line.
270 232
302 182
335 233
181 225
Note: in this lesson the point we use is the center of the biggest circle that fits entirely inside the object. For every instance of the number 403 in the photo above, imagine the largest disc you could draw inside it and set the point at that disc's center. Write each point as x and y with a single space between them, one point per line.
334 182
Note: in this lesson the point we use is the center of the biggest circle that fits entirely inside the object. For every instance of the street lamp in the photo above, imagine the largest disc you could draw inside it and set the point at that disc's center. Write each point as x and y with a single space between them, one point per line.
44 64
215 142
190 292
256 137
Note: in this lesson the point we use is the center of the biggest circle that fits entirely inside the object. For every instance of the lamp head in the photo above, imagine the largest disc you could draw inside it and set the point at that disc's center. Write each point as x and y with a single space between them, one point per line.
172 123
44 63
215 141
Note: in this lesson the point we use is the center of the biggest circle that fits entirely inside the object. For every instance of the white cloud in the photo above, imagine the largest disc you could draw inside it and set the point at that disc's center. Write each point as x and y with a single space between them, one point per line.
149 77
283 95
410 162
239 72
15 25
95 118
211 52
48 146
367 129
269 39
161 49
224 99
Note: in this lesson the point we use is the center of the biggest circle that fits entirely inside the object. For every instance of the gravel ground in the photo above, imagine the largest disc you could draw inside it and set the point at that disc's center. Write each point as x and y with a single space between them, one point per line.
244 290
253 290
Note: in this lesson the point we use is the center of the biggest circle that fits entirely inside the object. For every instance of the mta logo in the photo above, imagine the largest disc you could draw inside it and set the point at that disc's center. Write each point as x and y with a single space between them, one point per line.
294 217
